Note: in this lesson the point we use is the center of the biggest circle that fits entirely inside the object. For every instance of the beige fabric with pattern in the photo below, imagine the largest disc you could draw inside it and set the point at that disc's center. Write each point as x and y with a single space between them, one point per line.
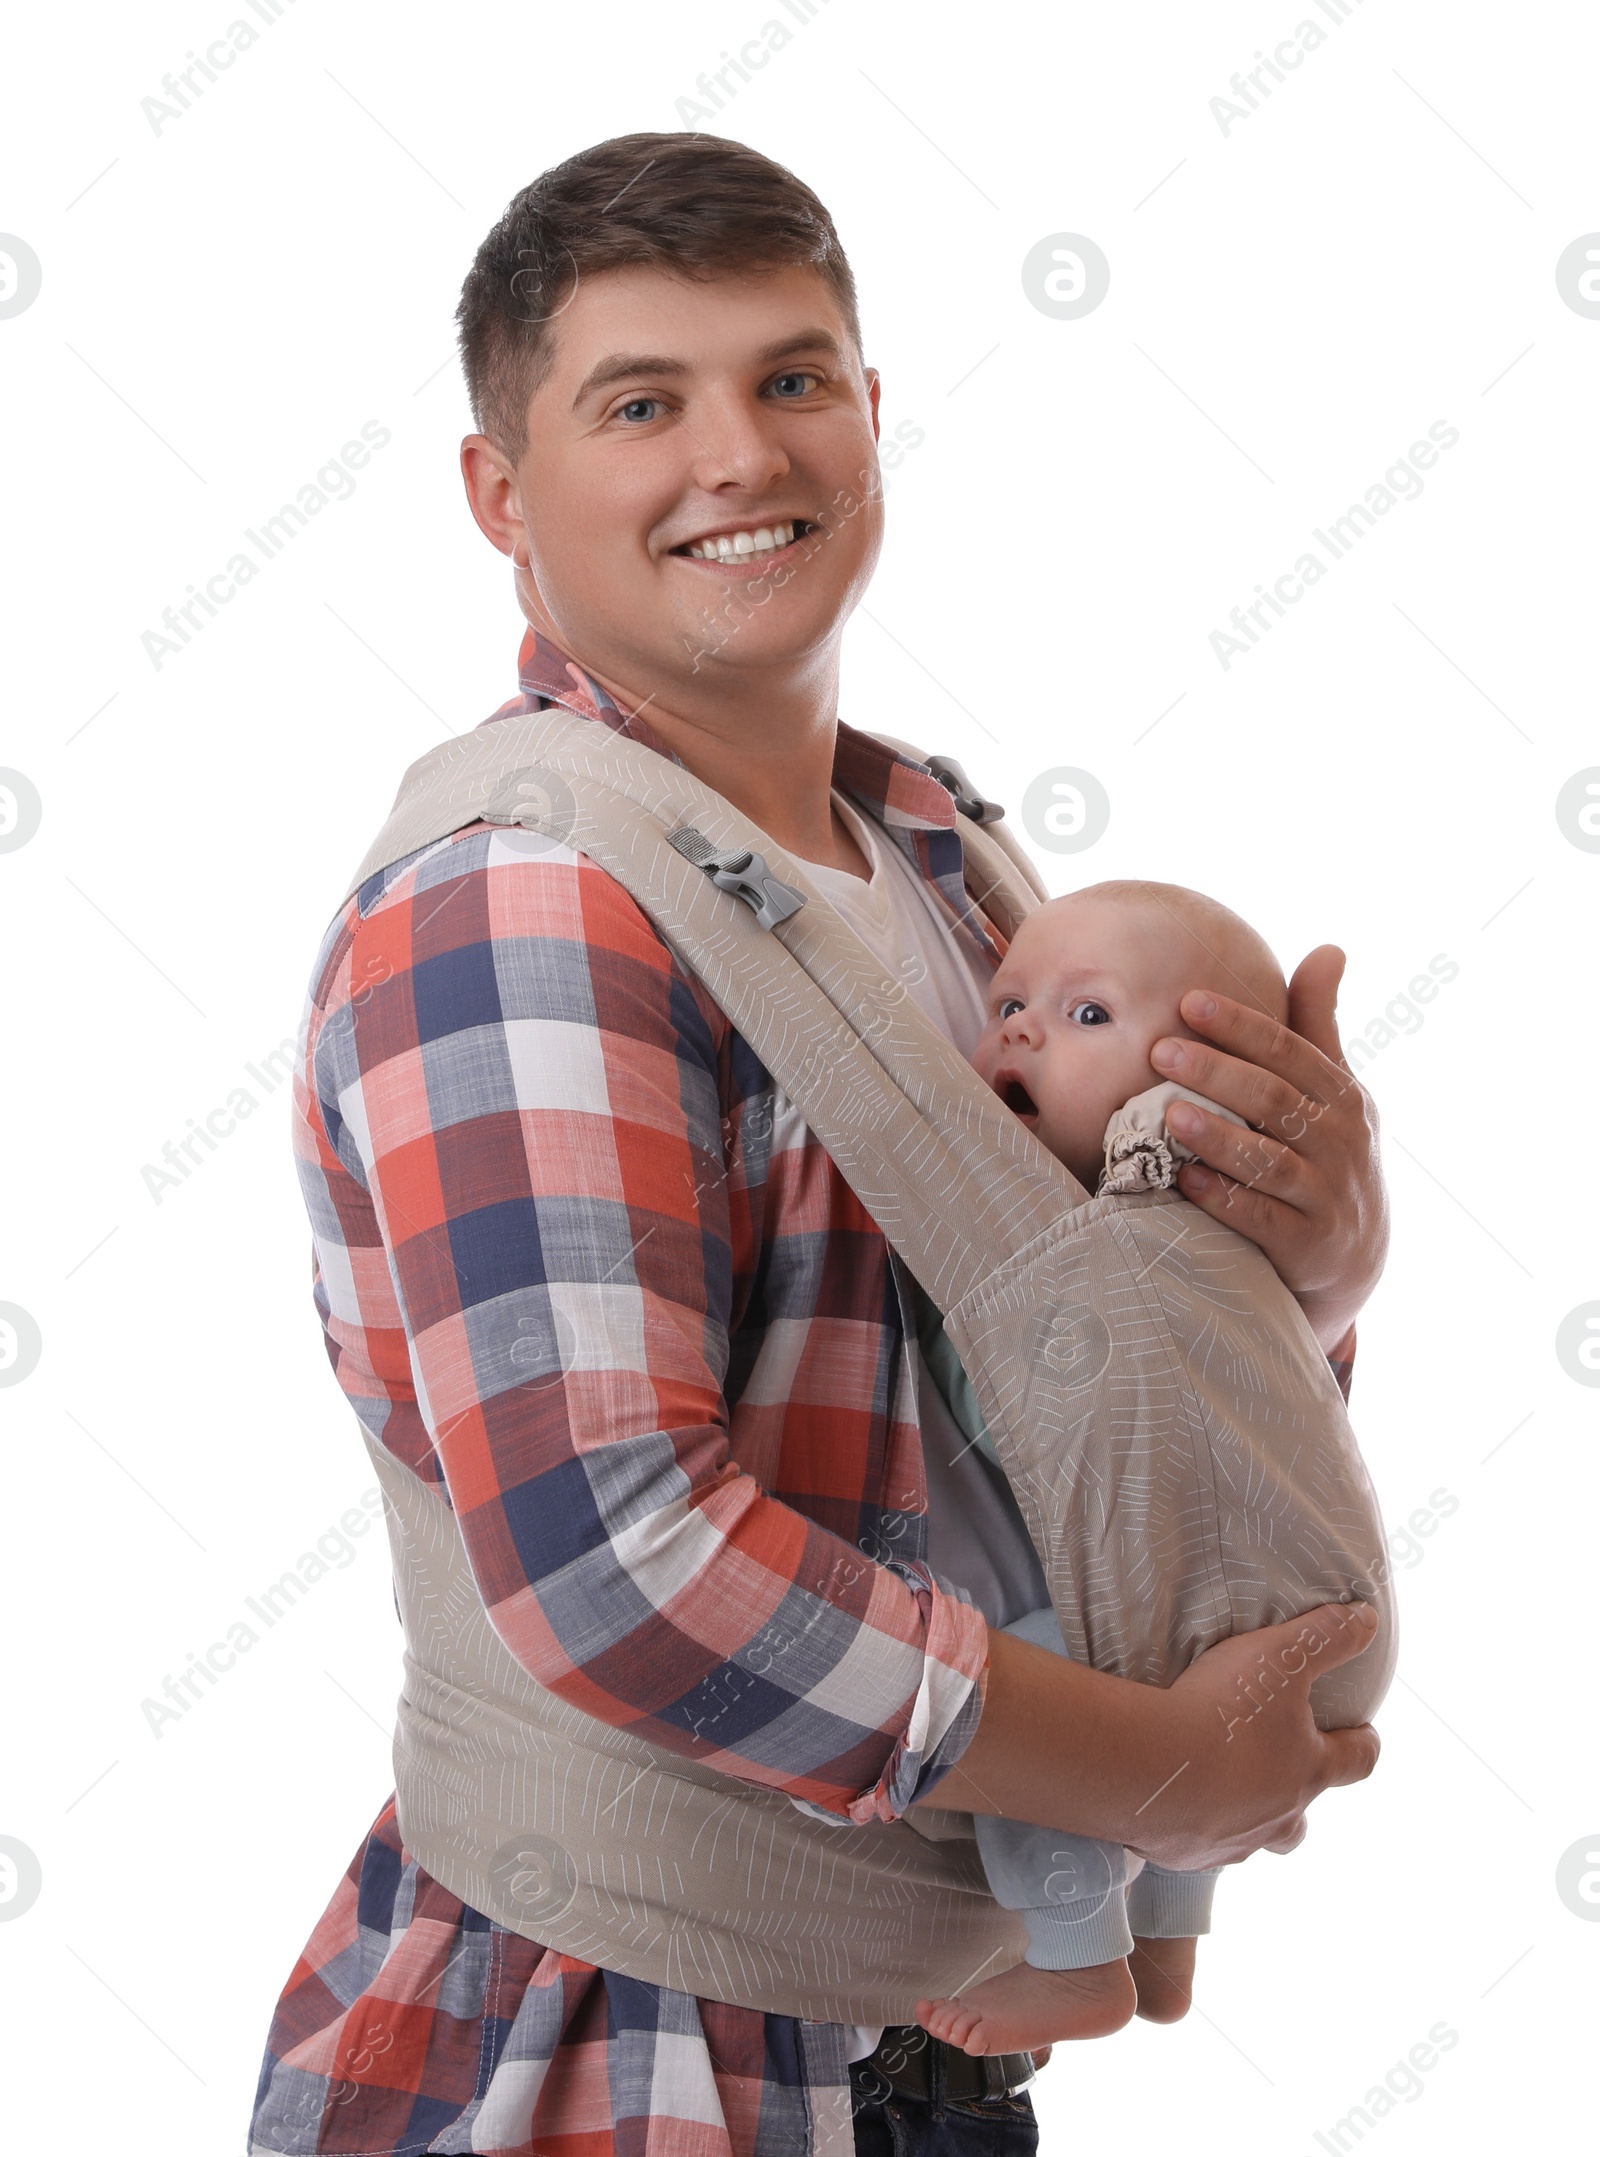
1177 1444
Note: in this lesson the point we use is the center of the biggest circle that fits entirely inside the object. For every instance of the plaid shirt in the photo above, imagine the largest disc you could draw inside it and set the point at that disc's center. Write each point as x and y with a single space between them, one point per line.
583 1267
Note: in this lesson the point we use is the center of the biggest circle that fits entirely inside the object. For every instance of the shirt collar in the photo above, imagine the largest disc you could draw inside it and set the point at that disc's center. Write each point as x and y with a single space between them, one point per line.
899 793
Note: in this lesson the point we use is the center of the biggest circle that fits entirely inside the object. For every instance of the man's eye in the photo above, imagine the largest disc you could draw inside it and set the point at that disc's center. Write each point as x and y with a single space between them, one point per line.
1089 1013
796 381
1009 1006
638 409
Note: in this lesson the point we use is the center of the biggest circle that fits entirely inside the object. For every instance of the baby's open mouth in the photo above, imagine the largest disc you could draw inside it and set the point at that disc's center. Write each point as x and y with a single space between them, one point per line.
1015 1095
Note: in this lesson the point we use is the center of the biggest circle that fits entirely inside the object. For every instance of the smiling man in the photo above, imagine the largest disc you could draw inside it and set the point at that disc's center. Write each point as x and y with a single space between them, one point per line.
644 501
584 1271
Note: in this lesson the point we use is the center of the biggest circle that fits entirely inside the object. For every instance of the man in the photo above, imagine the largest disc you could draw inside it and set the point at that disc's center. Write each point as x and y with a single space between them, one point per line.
521 1122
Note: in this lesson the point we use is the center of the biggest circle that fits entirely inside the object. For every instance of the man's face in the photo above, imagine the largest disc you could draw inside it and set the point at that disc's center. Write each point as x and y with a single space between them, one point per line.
1086 990
681 421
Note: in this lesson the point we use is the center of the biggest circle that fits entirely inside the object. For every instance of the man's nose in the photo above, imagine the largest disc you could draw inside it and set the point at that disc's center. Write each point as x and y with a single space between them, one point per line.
735 446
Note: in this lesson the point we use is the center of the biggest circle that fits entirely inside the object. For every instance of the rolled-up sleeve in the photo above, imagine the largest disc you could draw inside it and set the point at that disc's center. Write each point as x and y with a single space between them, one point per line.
511 1141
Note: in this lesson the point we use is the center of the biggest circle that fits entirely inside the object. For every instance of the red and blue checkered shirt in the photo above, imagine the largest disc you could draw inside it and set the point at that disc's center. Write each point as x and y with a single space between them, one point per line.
520 1120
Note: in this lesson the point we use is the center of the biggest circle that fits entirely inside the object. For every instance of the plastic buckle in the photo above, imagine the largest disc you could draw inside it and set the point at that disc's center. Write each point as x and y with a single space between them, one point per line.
962 791
743 872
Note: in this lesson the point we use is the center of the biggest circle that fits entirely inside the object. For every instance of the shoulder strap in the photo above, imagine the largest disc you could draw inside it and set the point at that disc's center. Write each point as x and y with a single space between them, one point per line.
450 786
1003 880
955 1182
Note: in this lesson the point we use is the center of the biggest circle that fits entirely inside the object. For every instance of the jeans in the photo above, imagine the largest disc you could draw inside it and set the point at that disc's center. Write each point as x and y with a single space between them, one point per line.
889 2125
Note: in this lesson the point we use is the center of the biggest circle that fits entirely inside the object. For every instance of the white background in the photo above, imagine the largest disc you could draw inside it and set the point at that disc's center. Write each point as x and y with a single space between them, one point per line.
1291 305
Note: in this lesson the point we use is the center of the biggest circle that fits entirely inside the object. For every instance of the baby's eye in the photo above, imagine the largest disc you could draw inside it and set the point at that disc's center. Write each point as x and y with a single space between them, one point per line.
1009 1006
1089 1013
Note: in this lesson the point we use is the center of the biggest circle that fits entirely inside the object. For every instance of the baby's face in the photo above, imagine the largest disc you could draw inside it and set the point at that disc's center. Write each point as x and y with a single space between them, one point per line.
1087 989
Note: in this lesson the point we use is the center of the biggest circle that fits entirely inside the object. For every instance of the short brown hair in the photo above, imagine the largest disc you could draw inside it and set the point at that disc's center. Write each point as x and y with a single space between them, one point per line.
694 205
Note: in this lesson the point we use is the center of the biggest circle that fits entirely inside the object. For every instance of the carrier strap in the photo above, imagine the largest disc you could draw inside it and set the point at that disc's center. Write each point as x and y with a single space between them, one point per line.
955 1191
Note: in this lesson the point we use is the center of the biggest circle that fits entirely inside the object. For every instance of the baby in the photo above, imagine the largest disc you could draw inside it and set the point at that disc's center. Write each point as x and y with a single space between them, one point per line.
1088 987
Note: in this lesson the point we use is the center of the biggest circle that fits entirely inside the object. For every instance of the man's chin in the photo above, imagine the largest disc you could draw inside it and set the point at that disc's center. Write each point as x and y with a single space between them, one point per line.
734 640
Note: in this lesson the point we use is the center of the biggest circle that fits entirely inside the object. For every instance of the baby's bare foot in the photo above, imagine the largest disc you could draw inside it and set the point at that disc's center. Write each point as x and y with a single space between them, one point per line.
1163 1977
1024 2008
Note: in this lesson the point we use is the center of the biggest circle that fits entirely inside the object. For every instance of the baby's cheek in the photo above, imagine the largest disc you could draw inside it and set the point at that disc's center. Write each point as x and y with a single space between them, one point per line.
1078 1108
1107 1072
1082 1132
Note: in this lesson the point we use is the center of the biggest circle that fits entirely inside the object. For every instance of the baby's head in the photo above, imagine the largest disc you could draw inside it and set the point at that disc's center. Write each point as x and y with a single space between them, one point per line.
1090 984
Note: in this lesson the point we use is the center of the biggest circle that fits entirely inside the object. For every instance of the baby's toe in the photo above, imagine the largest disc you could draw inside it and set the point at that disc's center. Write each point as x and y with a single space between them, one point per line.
966 2030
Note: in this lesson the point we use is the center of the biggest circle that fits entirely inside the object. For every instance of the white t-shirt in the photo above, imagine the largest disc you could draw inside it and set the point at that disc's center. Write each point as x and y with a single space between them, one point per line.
976 1536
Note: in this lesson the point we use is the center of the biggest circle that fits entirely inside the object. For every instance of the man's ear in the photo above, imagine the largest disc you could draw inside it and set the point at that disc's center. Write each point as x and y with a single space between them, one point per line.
874 389
493 493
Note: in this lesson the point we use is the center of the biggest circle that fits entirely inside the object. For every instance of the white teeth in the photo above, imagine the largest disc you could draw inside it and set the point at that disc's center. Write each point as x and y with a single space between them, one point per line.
727 546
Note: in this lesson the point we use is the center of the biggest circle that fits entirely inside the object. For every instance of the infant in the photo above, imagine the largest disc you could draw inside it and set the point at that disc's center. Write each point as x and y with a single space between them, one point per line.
1088 987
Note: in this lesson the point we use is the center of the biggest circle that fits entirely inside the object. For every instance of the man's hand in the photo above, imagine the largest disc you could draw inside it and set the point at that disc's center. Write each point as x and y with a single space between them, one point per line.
1222 1762
1246 1755
1304 1182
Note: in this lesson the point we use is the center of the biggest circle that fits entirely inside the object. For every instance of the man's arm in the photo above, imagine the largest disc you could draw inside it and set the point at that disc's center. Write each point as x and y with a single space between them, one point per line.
514 1159
1195 1774
1304 1182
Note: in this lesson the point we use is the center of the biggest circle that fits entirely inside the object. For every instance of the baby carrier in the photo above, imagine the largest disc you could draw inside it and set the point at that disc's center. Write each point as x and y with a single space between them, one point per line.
1177 1445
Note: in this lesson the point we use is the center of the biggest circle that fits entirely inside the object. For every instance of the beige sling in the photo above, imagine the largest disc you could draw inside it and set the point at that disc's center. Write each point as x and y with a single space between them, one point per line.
1176 1442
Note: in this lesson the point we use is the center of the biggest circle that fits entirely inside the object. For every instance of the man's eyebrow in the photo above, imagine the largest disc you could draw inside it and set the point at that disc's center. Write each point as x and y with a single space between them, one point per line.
809 340
626 366
621 367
